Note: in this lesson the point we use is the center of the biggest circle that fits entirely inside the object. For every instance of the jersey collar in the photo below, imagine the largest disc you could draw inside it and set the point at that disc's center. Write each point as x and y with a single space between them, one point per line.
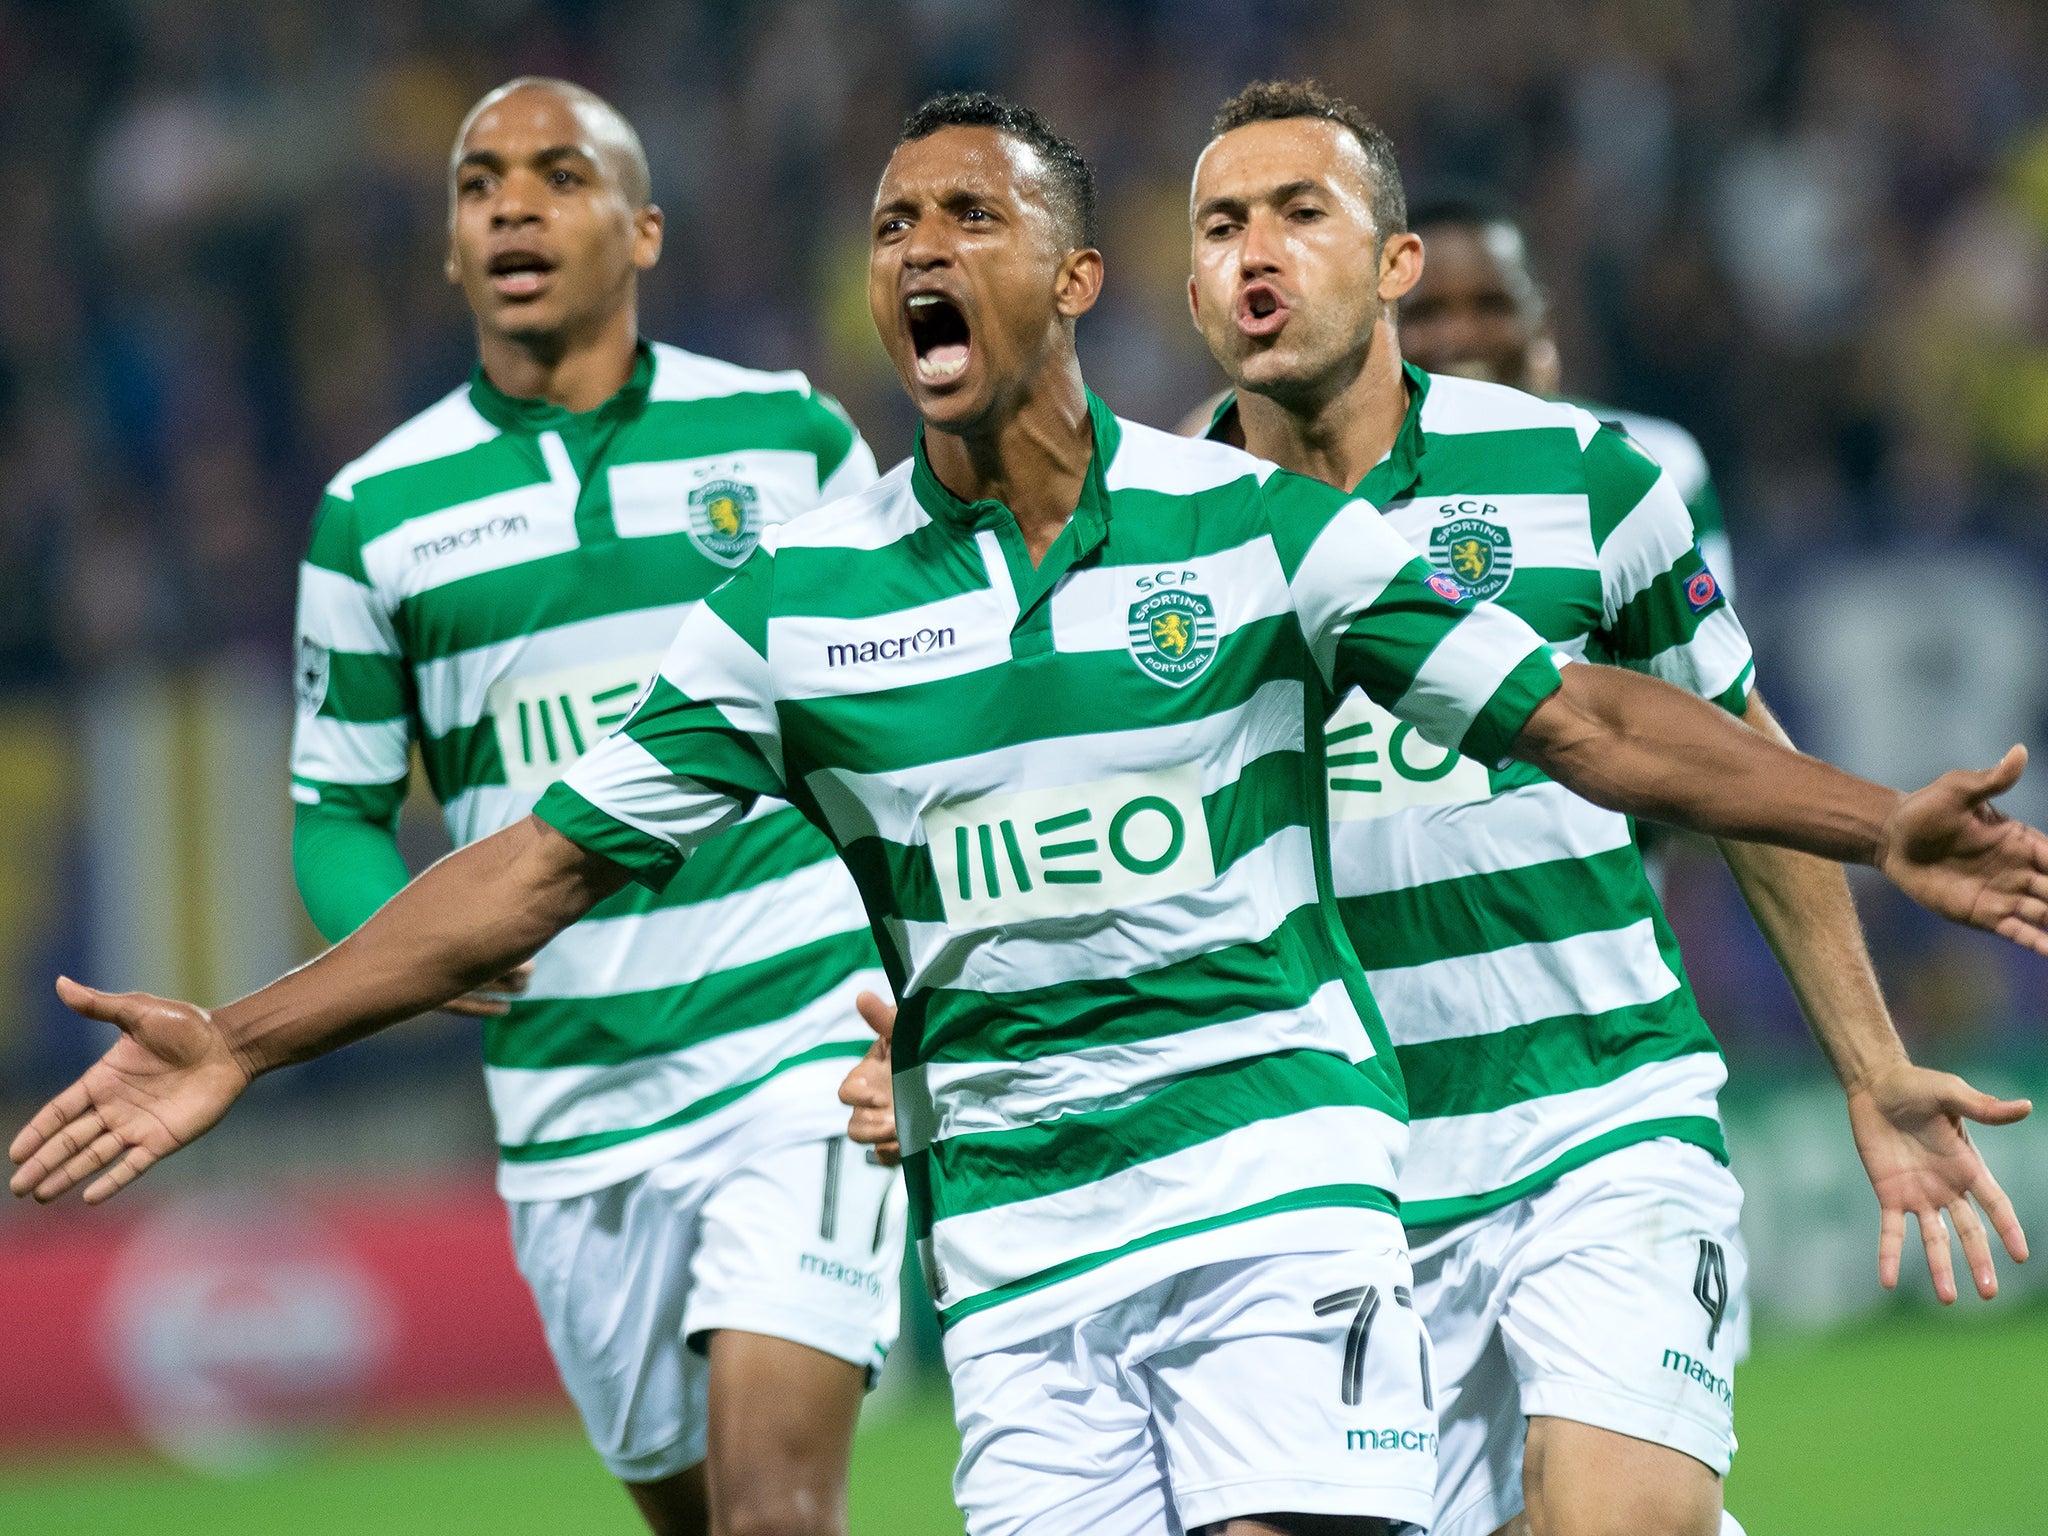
1387 480
1090 525
510 413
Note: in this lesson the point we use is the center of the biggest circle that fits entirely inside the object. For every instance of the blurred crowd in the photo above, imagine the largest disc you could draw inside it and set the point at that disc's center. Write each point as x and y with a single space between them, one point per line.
1815 233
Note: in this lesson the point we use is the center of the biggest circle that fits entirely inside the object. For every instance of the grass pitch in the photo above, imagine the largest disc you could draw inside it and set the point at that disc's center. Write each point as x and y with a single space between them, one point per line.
1917 1424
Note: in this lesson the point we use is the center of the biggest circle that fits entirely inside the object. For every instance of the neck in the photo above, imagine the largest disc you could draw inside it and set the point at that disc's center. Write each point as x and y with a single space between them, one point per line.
1336 435
577 369
1030 453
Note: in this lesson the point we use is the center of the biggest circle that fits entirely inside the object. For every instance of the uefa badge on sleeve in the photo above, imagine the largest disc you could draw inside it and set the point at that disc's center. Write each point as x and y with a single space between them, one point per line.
725 522
1701 590
1172 635
1445 588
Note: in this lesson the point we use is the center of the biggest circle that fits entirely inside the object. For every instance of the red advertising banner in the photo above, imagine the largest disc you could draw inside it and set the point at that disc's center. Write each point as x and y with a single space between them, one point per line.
225 1328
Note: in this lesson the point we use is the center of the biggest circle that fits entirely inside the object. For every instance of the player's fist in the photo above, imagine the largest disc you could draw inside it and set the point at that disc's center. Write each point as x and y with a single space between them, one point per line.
1952 851
164 1083
868 1090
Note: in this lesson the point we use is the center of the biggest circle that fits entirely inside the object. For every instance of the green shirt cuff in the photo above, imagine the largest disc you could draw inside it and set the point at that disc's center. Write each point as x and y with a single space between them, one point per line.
650 861
1494 729
1735 699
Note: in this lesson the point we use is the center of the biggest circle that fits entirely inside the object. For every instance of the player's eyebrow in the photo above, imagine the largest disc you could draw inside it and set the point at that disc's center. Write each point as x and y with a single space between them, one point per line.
491 160
952 200
895 205
1230 202
956 198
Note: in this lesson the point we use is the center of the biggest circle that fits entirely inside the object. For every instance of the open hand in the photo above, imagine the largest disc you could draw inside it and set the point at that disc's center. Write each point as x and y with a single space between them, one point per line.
495 1000
1948 849
164 1083
868 1089
1908 1124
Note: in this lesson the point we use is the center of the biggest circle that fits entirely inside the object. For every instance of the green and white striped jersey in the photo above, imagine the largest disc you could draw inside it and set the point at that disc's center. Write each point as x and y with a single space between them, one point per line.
1679 454
1528 977
1084 804
498 580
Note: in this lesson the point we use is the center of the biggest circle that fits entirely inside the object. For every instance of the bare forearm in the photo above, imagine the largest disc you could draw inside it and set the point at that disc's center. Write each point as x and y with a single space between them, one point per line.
1640 746
1803 907
467 920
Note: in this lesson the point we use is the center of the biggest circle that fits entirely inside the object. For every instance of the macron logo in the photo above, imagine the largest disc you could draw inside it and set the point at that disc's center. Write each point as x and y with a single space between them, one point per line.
448 543
1699 1371
894 649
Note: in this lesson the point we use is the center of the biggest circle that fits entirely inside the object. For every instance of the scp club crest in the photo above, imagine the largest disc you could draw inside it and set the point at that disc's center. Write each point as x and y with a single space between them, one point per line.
1479 554
724 521
1173 635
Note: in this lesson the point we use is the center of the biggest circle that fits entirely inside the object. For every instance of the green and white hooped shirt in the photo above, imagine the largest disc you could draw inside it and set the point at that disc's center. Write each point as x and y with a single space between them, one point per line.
1083 803
498 580
1528 977
1678 454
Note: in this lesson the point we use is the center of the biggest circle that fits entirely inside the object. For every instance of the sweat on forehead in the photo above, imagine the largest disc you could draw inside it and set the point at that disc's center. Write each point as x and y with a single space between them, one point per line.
1266 157
604 127
1299 101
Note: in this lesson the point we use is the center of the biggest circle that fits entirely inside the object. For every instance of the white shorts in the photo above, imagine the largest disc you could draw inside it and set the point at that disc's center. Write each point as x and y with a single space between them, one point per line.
802 1241
1293 1384
1611 1298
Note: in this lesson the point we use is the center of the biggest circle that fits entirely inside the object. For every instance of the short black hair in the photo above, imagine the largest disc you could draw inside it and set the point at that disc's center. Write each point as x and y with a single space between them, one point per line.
1073 183
1274 101
1472 207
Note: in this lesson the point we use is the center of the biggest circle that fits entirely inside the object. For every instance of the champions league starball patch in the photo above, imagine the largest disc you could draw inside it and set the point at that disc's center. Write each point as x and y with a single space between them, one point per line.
1172 635
310 671
723 521
1446 588
1479 554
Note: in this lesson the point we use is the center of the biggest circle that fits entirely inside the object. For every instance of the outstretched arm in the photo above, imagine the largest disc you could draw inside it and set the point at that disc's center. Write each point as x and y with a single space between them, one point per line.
347 864
177 1067
702 745
1637 745
1474 676
1908 1121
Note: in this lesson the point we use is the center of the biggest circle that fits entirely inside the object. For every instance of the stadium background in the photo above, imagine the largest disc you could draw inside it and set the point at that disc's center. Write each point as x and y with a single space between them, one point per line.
1815 234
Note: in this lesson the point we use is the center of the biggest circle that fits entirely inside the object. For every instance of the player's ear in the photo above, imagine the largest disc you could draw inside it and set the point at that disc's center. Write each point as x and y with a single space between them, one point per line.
1194 304
1079 283
1400 265
647 232
450 267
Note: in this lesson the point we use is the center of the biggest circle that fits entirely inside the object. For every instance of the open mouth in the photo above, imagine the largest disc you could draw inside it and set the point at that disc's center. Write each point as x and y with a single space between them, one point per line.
1261 311
520 274
938 335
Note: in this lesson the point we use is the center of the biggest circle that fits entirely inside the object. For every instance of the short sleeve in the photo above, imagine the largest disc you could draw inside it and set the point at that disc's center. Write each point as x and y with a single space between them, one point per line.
354 723
1465 673
845 462
1664 609
1710 528
696 753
